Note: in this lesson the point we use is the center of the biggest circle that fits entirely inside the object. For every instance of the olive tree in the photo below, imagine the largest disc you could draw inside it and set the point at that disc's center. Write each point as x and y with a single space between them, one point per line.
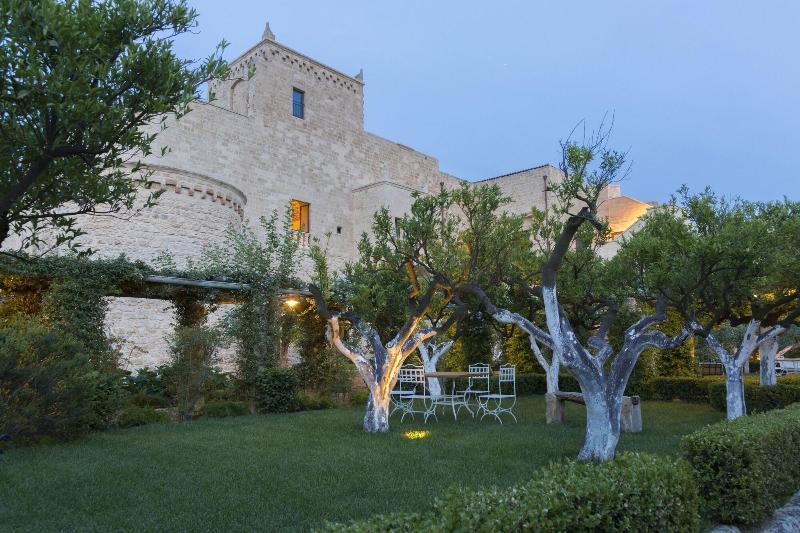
725 263
84 87
444 243
578 332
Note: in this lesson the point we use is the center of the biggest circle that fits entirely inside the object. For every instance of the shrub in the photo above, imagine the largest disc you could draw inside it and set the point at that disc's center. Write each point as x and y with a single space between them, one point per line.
276 390
193 351
138 416
311 401
359 397
225 408
748 466
789 379
528 384
147 381
49 388
140 399
676 388
757 399
633 493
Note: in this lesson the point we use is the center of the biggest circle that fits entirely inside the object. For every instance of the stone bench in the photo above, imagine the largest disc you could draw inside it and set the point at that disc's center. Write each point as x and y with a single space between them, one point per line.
630 418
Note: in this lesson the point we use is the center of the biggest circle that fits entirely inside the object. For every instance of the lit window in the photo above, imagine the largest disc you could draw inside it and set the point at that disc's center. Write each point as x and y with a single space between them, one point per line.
298 103
300 215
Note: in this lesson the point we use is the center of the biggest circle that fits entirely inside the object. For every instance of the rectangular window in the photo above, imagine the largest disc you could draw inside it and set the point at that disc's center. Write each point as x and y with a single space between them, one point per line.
300 212
397 230
298 103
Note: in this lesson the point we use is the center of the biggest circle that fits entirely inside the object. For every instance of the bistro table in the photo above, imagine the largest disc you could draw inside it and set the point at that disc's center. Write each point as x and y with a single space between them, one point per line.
453 400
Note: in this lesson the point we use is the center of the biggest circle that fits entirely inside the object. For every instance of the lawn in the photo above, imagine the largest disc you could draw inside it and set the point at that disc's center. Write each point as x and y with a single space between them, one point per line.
291 472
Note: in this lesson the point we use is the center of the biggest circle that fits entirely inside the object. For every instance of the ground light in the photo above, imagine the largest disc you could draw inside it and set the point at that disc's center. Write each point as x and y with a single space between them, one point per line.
416 435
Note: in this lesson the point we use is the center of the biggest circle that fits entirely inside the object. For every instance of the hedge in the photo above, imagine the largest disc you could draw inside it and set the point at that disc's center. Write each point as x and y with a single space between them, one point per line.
669 388
757 399
746 467
529 384
636 492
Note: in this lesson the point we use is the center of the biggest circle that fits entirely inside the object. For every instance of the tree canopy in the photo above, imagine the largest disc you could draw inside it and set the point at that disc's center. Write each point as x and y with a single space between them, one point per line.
85 87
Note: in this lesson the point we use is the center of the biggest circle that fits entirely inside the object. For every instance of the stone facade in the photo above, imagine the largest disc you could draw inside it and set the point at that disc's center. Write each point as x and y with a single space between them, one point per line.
245 154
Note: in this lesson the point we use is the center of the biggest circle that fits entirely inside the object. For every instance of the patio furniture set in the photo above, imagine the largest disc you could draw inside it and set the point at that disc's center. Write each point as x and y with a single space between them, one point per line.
412 394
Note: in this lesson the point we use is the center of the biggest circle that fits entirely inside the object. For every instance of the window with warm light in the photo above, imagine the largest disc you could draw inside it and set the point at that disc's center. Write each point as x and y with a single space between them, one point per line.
300 211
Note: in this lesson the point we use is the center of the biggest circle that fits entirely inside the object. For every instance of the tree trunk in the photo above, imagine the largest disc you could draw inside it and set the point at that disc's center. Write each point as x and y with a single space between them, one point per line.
767 352
551 375
434 385
602 427
734 391
376 417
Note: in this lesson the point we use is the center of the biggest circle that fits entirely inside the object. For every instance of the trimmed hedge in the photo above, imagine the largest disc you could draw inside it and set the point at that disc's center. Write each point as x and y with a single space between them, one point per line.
529 384
746 467
757 399
676 388
636 492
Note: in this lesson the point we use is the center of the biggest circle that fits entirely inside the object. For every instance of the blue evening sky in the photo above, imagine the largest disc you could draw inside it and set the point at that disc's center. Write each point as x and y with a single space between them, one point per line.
704 92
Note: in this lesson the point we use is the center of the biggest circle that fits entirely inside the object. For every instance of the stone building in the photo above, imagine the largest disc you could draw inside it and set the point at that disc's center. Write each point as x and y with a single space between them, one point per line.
292 132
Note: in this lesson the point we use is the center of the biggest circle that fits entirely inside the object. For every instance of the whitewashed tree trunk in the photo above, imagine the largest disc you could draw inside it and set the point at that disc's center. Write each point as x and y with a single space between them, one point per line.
376 417
767 352
734 362
381 368
430 354
603 388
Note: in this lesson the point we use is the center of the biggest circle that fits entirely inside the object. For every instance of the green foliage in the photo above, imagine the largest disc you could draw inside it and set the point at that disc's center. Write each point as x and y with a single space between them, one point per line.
139 416
359 397
746 467
757 399
312 401
321 367
474 346
81 80
49 388
141 399
276 390
636 492
68 293
669 388
267 264
534 383
517 351
225 408
193 353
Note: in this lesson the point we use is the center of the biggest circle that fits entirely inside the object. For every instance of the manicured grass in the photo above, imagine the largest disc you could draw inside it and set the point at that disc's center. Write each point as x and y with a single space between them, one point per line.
291 472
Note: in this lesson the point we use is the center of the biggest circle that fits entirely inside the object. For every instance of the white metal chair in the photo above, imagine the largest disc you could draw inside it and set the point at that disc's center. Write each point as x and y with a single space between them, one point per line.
504 400
417 380
478 385
454 400
404 388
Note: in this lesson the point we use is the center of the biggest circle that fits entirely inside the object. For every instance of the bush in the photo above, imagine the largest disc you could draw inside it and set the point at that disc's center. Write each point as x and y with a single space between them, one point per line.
311 401
359 397
746 467
528 384
635 492
193 352
757 399
276 390
789 379
140 399
225 408
49 388
676 388
138 416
